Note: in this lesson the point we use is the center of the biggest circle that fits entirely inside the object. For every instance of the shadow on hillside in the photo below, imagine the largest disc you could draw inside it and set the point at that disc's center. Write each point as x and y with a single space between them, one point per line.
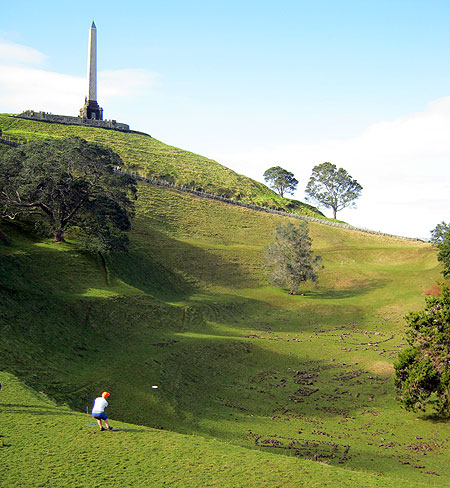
170 269
294 406
291 404
39 409
134 431
435 418
142 271
344 293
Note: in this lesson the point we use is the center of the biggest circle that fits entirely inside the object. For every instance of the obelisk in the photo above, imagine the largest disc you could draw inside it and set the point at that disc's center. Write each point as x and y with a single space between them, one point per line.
92 63
91 109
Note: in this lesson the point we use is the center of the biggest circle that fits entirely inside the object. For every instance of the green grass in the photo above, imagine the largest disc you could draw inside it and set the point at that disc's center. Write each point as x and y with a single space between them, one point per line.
42 444
152 158
252 380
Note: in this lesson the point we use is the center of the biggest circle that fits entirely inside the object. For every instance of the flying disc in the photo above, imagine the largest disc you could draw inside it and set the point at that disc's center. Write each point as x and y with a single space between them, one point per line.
154 387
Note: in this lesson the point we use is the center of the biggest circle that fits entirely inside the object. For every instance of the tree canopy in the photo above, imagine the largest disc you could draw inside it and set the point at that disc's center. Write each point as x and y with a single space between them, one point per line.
440 236
290 259
422 373
332 188
69 184
281 180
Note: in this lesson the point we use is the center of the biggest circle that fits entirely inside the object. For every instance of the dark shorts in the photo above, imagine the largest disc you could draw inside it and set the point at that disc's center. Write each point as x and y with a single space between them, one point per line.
100 416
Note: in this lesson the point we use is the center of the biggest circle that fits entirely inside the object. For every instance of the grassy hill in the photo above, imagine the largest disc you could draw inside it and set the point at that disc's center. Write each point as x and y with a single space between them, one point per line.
151 158
257 387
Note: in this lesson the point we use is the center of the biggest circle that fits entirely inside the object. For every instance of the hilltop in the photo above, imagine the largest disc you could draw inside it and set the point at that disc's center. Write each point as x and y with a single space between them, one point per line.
251 380
149 157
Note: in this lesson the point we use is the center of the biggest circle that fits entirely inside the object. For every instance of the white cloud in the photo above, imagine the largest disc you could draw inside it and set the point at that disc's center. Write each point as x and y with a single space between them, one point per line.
25 87
18 54
403 166
126 83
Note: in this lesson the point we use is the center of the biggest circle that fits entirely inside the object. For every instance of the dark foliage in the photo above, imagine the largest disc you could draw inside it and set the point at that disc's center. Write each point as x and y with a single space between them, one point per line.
422 372
69 185
440 236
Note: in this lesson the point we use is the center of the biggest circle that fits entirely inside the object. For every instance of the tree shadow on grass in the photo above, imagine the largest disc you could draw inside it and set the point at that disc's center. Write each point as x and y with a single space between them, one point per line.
435 418
133 431
38 409
344 293
171 269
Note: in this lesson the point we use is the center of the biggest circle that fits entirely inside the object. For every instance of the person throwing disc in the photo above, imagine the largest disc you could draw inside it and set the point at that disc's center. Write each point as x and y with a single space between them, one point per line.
98 411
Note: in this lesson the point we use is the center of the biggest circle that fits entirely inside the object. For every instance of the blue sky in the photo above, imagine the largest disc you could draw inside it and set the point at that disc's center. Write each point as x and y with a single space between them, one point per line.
363 84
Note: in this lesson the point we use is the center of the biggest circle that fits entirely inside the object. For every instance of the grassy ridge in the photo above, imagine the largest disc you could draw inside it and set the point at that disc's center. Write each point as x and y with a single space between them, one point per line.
150 157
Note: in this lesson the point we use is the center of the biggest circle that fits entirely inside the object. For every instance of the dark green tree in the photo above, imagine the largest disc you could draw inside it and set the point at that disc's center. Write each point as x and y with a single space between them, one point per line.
440 236
281 180
69 184
289 258
332 188
422 372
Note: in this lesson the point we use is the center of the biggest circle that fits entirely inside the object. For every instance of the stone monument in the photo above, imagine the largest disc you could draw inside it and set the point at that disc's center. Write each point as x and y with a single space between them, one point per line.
91 109
91 114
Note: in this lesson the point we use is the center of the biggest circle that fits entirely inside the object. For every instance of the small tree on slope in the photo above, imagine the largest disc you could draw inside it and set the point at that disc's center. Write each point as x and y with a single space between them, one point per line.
290 258
281 180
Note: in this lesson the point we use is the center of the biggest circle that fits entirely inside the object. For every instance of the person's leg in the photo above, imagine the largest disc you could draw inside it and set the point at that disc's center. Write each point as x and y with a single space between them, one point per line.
99 422
107 424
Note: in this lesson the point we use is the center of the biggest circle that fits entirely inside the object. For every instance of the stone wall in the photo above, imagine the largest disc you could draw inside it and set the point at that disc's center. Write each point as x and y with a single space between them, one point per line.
66 119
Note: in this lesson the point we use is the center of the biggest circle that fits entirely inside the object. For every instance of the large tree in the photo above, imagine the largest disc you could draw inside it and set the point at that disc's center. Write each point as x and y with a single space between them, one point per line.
422 372
332 188
281 180
440 236
69 184
290 259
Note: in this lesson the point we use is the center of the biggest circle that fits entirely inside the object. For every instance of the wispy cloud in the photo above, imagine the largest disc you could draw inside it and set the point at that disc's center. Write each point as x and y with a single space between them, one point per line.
11 52
23 88
24 84
126 83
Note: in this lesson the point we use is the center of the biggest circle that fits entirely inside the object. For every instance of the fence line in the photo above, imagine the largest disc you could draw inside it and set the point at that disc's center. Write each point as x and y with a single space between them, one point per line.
10 142
212 196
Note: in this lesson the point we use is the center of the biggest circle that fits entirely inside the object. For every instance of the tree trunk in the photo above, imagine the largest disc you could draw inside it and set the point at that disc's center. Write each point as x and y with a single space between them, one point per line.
334 213
4 239
58 236
105 268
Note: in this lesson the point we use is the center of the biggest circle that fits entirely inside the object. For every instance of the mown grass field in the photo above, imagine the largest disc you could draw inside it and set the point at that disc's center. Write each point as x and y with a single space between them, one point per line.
257 387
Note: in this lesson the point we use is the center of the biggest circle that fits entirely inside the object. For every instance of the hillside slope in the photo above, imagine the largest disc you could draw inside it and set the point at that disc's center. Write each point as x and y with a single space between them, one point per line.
151 158
189 309
62 449
278 379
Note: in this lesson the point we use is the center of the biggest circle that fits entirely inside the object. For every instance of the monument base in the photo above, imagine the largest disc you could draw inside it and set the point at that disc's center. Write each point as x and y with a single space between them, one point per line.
91 110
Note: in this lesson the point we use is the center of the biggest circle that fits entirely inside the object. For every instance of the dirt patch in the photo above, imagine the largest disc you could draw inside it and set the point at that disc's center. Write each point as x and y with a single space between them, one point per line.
382 367
309 449
433 290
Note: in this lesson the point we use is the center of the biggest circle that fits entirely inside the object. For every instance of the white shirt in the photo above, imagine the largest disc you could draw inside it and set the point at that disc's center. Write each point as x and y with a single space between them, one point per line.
99 405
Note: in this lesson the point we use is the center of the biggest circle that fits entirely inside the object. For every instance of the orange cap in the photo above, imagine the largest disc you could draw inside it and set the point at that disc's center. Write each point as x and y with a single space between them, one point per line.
105 394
